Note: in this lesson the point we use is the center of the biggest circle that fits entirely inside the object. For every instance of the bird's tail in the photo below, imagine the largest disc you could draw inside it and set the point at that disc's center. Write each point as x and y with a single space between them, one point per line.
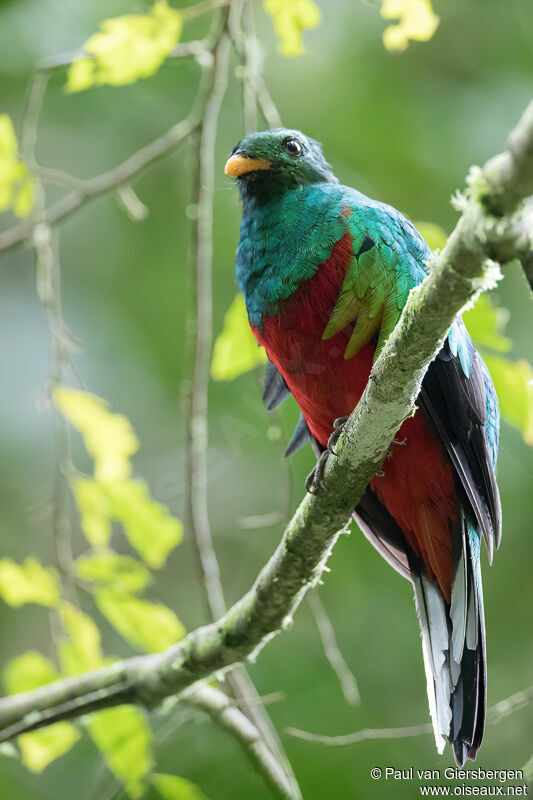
453 643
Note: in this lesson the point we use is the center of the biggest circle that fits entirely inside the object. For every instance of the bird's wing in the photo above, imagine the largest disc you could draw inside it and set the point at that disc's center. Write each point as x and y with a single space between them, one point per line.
458 398
389 259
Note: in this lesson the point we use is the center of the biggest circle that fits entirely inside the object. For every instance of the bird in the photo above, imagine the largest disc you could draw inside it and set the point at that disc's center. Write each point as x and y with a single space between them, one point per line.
325 272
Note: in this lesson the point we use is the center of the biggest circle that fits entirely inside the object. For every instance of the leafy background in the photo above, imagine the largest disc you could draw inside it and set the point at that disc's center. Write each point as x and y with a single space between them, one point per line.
404 128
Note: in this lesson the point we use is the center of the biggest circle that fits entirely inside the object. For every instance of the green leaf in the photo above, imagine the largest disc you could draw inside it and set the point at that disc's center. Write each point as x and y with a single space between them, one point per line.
112 495
486 322
122 734
149 526
171 787
127 48
28 583
27 672
82 651
291 18
514 386
110 569
124 738
38 749
108 437
95 510
434 235
17 188
236 351
149 626
416 21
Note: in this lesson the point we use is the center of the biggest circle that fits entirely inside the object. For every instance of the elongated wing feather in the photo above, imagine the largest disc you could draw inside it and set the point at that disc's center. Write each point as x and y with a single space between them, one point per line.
463 409
389 258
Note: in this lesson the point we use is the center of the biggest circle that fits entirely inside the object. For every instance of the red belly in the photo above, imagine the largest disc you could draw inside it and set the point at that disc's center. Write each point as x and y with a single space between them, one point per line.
417 487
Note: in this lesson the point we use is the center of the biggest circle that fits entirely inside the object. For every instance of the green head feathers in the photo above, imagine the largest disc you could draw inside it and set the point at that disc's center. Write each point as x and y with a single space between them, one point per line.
269 162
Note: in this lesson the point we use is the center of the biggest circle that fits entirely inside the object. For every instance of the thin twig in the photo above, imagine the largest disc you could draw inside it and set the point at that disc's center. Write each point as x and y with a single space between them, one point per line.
240 28
49 288
199 345
193 48
362 735
494 714
248 48
332 652
228 717
105 182
48 282
200 336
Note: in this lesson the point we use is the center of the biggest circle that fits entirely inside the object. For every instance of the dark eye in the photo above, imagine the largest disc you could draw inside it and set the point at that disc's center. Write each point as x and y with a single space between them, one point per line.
292 147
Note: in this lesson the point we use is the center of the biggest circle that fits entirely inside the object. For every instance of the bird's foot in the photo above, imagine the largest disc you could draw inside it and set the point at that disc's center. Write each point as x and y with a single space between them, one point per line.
338 427
314 481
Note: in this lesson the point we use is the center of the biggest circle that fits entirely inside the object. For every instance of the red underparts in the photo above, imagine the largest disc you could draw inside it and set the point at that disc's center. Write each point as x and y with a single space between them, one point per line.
417 487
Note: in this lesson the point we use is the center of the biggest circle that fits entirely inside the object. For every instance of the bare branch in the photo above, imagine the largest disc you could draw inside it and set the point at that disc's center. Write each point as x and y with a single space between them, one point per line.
48 284
199 345
332 652
362 735
200 335
227 716
106 181
457 274
494 714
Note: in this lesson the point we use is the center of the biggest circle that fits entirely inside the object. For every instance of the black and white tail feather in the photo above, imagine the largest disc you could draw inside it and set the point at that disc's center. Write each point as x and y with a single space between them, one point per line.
462 408
453 645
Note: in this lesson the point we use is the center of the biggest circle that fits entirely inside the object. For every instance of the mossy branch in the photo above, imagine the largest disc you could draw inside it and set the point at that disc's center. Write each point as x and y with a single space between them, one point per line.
487 229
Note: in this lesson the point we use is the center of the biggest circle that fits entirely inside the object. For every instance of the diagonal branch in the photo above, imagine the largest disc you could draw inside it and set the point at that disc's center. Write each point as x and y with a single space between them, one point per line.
106 181
224 713
457 275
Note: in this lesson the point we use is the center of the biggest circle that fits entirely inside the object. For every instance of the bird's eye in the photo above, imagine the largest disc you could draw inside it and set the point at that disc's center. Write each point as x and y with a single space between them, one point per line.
292 147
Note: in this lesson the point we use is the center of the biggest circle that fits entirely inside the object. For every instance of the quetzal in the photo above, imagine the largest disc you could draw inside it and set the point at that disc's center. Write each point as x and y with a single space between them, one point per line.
325 273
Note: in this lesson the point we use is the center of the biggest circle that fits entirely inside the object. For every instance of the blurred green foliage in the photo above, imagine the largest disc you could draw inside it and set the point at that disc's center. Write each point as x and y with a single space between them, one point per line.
127 48
16 183
404 129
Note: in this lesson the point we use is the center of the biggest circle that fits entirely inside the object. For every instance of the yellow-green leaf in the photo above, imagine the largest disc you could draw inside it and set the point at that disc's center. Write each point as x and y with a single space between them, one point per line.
114 571
28 583
514 385
172 787
95 510
17 188
124 738
150 527
486 322
434 235
127 48
27 672
149 626
112 495
291 18
236 351
38 749
82 651
416 21
108 437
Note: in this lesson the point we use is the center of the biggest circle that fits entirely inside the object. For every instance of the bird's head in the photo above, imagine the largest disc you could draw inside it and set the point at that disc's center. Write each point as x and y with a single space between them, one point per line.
270 162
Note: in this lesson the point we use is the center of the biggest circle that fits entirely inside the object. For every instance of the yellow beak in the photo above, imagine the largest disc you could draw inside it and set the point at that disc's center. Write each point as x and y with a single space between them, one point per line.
239 164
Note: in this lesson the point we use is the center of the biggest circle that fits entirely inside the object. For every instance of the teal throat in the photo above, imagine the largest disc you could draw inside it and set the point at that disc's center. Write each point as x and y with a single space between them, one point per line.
284 241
